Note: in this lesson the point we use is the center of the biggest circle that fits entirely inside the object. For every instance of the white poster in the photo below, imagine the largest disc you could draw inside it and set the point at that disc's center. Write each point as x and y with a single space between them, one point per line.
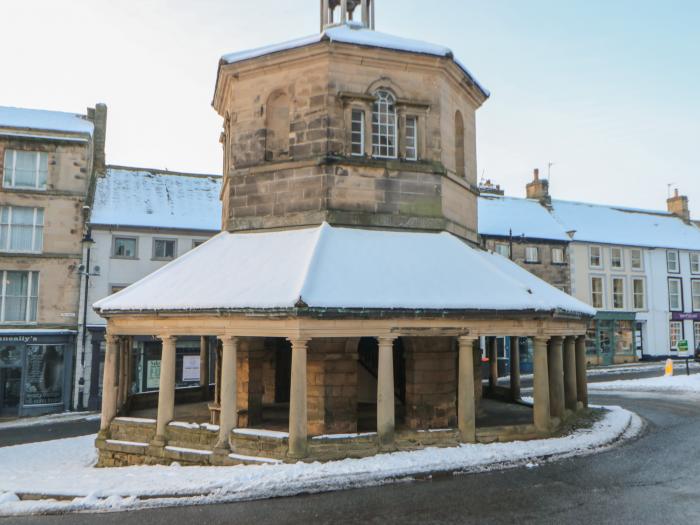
190 368
153 374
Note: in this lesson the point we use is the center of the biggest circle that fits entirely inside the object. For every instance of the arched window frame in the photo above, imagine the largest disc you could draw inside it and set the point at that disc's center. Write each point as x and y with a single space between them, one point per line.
384 125
460 153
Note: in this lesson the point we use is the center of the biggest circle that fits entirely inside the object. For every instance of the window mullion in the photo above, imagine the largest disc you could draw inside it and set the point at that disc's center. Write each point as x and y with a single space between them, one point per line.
2 297
14 168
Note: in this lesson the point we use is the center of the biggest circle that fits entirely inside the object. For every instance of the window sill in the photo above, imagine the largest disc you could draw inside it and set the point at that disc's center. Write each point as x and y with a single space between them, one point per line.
123 258
532 262
163 259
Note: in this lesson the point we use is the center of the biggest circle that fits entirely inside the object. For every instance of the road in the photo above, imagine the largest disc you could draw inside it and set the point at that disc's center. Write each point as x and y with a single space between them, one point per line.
653 479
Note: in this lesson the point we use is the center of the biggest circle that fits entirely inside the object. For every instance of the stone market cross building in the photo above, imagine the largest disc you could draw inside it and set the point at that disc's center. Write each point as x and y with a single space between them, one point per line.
347 291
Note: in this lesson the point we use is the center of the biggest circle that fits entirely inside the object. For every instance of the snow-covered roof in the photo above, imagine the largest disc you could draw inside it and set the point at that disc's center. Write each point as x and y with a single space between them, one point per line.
156 199
339 268
356 34
525 217
625 226
40 119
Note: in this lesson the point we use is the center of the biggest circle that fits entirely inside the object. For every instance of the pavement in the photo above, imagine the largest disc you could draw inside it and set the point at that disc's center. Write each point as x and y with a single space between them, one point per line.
653 479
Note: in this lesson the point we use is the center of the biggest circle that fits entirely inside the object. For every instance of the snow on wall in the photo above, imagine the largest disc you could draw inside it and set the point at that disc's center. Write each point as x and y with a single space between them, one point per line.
354 33
138 197
625 226
525 217
24 118
328 267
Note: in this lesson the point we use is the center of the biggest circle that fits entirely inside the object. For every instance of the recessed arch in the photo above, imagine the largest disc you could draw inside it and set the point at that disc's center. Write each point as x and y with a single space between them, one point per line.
277 125
460 160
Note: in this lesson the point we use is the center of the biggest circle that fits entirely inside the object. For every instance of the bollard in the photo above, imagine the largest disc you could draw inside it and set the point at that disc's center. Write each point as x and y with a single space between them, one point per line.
669 367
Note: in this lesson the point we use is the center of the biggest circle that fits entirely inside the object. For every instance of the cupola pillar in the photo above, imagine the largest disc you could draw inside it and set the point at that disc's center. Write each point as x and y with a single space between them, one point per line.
338 12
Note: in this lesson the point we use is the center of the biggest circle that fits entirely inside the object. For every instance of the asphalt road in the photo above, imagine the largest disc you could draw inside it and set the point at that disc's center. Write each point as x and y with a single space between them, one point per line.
654 479
56 430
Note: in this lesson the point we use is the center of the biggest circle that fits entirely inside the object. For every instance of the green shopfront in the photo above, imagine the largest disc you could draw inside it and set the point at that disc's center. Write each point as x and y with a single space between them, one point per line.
611 338
35 371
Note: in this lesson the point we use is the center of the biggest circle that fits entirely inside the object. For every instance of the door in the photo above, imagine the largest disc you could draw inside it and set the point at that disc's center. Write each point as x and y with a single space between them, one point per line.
639 339
605 343
10 384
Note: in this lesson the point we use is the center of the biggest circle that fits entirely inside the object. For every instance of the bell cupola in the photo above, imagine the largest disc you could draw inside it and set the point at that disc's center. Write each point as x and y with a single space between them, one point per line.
337 12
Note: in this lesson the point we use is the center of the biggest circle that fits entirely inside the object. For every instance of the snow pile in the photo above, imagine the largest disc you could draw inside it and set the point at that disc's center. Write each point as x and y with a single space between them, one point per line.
356 34
139 197
64 467
332 267
677 383
41 119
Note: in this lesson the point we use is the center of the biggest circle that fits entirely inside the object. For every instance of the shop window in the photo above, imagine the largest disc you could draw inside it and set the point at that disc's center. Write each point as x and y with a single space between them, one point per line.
44 377
27 170
595 257
384 126
639 294
124 248
672 261
597 292
18 296
636 259
357 133
532 254
695 263
411 138
164 249
502 249
558 255
618 293
616 258
676 333
460 158
675 295
21 229
695 288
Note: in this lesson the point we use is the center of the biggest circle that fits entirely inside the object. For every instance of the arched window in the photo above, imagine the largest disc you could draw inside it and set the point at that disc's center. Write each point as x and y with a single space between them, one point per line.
384 126
277 124
459 145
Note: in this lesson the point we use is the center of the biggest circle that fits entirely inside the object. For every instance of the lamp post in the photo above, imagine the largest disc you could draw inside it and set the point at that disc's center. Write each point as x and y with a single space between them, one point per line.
84 270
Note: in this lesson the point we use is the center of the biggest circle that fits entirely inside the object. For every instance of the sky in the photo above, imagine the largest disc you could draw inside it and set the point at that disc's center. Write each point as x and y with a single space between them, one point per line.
605 90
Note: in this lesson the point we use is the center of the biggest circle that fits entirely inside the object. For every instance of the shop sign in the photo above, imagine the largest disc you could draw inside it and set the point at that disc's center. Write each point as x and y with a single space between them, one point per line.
18 339
682 348
685 316
190 368
153 374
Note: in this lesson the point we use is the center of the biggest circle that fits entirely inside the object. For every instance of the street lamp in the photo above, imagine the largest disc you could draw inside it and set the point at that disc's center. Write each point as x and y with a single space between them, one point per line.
84 270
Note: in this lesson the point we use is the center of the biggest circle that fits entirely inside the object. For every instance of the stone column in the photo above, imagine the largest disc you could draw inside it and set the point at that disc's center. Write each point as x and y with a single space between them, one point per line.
109 384
204 366
492 348
514 368
570 373
166 391
556 377
541 386
466 407
297 400
228 418
581 378
385 392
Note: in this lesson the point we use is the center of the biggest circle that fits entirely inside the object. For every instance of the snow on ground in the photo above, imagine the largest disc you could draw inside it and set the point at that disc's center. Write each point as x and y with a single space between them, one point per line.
65 467
49 419
675 383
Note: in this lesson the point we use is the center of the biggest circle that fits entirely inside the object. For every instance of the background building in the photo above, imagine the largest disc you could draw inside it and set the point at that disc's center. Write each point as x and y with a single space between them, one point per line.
141 219
49 161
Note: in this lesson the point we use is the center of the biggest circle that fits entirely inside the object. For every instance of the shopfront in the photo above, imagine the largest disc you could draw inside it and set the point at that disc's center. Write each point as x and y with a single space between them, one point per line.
146 358
35 371
611 338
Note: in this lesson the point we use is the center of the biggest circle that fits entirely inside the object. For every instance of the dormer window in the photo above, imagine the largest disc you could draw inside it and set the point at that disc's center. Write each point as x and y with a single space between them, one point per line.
384 139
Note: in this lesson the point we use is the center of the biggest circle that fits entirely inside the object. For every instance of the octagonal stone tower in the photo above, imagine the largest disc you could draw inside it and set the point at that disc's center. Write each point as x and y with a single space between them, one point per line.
352 127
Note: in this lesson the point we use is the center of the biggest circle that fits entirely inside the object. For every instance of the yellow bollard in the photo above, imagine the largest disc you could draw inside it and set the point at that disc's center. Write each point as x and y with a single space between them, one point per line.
669 367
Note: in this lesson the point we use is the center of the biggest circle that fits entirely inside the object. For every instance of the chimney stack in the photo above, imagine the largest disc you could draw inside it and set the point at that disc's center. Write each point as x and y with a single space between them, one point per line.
538 189
678 205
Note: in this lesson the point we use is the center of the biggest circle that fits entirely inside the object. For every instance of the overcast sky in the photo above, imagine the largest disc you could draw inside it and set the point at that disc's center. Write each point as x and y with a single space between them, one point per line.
607 90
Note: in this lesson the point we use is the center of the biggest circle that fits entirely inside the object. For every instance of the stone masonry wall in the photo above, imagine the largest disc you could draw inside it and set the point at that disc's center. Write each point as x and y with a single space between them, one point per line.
431 382
332 386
